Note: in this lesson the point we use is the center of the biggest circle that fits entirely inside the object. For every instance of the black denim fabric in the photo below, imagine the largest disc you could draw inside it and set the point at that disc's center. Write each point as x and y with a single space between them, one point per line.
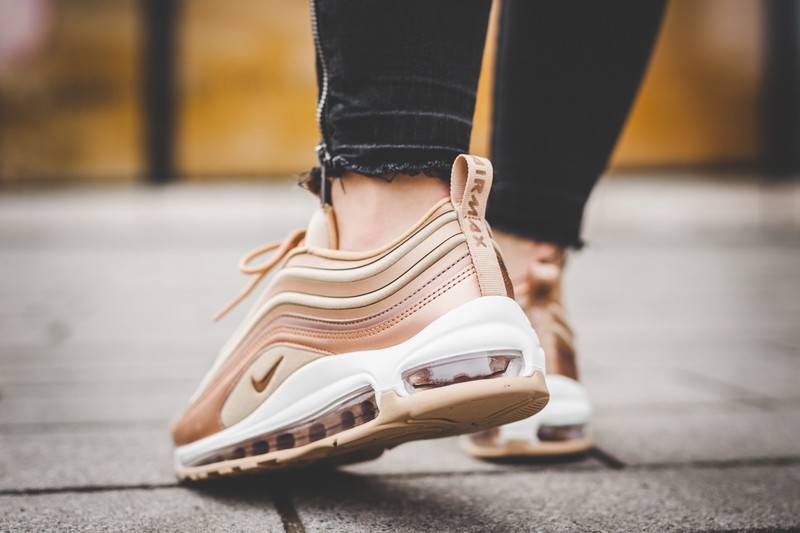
398 81
402 78
566 76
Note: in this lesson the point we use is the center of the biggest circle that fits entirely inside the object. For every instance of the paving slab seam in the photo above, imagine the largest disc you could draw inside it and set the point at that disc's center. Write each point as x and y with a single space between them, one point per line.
722 385
50 428
534 468
519 469
606 458
284 505
724 464
86 489
793 529
769 404
647 409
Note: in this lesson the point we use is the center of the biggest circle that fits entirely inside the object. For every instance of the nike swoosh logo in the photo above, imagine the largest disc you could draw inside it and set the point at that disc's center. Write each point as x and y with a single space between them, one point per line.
262 383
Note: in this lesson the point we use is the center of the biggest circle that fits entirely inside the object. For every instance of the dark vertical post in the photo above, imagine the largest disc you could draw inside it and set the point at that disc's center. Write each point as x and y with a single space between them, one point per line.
158 71
781 105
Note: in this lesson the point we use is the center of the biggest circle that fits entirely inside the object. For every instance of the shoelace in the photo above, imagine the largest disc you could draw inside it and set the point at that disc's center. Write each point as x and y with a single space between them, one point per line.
260 271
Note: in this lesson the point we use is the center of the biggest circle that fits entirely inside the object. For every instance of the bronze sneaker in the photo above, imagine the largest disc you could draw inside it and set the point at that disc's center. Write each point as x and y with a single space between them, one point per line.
349 353
561 427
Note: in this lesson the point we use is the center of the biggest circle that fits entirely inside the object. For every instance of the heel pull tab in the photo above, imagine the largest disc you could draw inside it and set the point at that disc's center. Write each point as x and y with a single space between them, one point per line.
470 183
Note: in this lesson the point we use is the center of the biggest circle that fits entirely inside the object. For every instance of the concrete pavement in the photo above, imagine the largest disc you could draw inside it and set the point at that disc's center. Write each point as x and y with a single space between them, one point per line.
686 302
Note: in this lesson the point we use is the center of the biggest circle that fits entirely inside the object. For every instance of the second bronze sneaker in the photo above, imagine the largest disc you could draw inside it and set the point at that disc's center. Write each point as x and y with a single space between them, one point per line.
561 428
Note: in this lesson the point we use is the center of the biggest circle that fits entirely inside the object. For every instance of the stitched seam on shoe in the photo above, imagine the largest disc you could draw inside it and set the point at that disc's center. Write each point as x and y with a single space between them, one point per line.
388 324
374 330
401 302
268 333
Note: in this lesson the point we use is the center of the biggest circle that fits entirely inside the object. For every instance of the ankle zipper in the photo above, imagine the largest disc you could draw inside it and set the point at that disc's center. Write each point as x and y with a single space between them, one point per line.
323 156
324 159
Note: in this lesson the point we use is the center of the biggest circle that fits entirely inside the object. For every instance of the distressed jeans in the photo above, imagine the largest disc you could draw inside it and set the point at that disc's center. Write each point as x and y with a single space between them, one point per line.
398 81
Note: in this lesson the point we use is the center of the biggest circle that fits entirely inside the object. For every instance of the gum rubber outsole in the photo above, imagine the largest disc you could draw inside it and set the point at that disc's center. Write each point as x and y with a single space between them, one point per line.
518 449
443 412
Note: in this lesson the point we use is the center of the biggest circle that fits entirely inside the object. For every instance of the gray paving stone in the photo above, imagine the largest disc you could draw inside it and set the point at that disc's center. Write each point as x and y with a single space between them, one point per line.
688 206
686 303
81 410
670 291
100 296
627 500
768 378
598 349
655 386
185 351
443 456
46 460
98 390
168 326
731 433
166 509
49 458
65 373
136 217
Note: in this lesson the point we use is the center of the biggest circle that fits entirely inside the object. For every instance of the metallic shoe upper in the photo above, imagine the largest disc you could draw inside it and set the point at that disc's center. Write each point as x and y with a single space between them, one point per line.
541 298
323 301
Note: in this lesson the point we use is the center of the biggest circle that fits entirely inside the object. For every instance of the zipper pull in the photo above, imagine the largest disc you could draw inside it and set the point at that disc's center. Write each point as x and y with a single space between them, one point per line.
324 159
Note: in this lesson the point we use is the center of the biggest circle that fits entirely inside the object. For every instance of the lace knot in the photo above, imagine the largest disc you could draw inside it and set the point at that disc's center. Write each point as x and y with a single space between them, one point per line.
260 271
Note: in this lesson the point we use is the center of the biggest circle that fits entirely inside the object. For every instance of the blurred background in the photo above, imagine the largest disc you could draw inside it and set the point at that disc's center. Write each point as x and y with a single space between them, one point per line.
686 300
137 90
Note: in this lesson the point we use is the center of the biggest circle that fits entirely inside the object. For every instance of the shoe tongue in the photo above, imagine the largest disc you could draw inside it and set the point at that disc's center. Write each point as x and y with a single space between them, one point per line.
322 231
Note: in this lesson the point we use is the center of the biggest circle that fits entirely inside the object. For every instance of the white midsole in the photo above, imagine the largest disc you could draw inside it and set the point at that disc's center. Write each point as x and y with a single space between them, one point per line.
569 405
486 323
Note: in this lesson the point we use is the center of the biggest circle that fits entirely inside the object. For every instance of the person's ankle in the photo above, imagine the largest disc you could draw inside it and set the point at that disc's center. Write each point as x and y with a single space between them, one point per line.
520 252
371 212
535 269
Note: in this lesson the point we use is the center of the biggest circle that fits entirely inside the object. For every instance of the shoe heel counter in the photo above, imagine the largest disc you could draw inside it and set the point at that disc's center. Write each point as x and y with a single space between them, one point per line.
470 184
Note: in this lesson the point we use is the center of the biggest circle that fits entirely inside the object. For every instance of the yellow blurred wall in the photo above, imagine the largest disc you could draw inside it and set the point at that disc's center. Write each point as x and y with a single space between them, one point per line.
699 104
247 88
74 114
246 92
